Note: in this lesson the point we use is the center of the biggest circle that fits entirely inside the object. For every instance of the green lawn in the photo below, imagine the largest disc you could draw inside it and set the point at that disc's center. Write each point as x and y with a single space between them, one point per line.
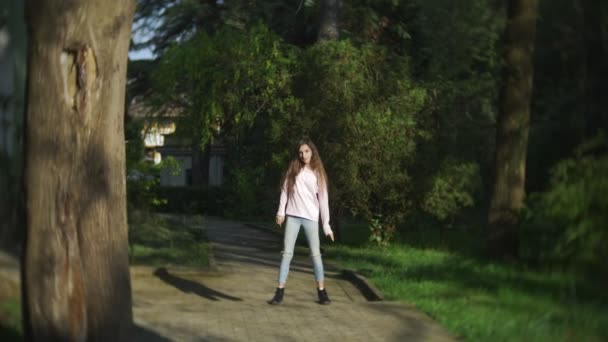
10 320
477 300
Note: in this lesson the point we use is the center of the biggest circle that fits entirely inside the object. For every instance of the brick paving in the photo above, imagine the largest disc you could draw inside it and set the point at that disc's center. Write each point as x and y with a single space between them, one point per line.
228 302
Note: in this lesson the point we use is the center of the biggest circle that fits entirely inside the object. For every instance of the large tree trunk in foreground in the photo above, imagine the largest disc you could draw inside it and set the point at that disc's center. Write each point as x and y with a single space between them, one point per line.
512 129
76 272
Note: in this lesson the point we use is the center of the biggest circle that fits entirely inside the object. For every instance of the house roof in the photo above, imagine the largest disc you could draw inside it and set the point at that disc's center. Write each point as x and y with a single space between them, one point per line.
140 109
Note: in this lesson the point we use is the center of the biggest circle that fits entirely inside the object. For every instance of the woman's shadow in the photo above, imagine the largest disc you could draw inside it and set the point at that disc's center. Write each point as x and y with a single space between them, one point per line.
189 286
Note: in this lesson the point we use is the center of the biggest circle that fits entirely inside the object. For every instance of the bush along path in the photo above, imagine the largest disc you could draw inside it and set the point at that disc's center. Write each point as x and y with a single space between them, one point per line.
227 301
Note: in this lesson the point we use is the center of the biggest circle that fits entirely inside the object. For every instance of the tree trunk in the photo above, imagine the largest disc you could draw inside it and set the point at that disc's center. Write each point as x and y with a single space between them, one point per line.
512 129
328 25
76 271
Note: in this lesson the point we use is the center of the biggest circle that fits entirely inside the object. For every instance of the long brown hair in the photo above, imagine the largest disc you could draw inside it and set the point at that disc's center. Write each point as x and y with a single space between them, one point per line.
296 165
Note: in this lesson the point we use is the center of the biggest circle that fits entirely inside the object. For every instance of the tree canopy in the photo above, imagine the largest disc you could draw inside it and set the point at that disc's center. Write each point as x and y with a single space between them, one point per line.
403 105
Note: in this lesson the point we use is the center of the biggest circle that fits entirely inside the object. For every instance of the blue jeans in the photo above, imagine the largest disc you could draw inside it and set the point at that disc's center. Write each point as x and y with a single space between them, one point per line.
292 228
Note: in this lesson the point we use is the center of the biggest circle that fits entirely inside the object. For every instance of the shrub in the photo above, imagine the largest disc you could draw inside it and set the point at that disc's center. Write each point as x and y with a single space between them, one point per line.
361 107
453 188
569 220
199 199
244 194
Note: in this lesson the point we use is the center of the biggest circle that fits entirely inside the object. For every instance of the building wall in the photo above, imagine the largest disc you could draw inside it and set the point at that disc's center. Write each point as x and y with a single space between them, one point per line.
182 178
216 170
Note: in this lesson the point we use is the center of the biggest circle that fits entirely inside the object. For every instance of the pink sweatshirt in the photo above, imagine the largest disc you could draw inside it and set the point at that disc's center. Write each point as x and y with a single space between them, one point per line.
307 201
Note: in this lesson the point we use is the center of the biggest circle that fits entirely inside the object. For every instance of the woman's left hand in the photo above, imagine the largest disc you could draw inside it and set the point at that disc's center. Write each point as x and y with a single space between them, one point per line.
330 235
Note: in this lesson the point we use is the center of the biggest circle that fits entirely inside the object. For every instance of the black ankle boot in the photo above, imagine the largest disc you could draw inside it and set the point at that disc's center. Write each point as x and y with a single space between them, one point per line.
323 297
278 296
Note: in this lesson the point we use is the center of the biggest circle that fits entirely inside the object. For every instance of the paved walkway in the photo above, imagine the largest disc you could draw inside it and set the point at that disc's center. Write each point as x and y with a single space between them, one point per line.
229 302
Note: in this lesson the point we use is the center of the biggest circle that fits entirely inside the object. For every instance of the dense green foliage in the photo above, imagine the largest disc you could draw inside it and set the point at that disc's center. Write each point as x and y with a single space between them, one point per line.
402 107
200 200
365 121
571 217
143 181
453 189
221 82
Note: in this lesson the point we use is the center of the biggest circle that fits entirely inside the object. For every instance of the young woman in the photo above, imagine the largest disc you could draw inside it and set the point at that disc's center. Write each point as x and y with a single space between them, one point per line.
303 198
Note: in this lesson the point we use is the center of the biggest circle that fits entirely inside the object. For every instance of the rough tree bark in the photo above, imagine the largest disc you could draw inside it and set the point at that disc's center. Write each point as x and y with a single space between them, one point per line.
512 128
76 274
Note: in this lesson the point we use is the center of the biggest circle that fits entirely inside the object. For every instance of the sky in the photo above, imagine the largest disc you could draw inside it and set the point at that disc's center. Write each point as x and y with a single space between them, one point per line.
142 53
138 37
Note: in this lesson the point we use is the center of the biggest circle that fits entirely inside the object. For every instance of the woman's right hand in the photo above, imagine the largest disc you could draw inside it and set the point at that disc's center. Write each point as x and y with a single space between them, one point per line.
279 219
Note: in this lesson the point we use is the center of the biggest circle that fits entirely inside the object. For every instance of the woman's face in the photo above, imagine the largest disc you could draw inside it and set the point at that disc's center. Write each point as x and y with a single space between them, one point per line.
305 154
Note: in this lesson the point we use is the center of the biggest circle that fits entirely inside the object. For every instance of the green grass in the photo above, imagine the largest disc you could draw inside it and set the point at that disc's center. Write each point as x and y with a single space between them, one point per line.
477 300
10 320
159 240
